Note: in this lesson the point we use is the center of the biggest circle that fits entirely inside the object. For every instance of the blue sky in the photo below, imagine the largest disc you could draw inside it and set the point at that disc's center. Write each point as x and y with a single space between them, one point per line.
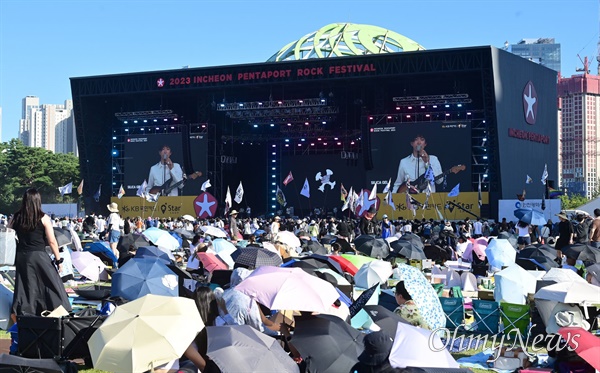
43 43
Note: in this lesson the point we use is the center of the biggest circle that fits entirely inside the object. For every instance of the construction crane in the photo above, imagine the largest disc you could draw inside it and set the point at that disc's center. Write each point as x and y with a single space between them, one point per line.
586 65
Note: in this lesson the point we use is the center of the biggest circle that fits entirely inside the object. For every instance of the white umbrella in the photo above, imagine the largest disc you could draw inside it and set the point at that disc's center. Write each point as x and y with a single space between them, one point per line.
341 280
500 253
570 292
163 240
188 217
88 265
513 284
224 249
418 347
145 333
373 273
213 231
288 238
549 309
562 275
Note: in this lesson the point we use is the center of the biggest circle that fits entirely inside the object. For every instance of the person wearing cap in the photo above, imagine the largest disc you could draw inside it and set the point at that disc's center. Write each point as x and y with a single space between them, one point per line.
275 225
565 235
386 227
115 223
375 356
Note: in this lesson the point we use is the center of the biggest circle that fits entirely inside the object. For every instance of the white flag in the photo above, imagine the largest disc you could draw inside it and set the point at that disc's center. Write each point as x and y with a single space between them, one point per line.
67 189
373 194
239 193
152 197
305 189
545 174
387 187
528 180
141 192
389 200
227 200
355 201
205 185
349 200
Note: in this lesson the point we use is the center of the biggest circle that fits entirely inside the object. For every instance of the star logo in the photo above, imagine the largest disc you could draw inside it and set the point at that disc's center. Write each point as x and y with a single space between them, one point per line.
205 205
366 203
530 103
160 83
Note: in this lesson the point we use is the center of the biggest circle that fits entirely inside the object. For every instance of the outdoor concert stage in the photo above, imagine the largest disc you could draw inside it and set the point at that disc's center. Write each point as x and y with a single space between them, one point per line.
479 107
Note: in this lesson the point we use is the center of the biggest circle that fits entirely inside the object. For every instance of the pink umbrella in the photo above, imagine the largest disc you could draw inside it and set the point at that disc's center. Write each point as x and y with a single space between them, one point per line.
88 265
585 344
482 241
211 262
474 247
288 289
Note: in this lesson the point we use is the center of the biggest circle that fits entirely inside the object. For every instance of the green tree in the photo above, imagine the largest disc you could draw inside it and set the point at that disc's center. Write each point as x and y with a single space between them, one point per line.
572 201
23 167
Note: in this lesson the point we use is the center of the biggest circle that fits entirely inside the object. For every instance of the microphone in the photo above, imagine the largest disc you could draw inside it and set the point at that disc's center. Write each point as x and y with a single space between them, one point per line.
419 150
165 156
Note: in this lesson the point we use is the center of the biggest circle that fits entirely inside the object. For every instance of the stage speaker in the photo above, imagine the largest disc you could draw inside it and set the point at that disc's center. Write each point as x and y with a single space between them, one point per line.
366 142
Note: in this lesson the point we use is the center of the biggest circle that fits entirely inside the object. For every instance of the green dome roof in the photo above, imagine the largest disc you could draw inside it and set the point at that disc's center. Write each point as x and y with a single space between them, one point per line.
345 39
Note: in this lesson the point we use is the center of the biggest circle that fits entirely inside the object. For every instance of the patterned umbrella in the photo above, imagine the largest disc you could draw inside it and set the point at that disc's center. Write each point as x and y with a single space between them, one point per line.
254 257
424 296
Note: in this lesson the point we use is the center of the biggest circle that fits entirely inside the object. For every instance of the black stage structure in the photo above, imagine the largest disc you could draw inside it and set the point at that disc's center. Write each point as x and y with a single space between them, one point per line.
256 122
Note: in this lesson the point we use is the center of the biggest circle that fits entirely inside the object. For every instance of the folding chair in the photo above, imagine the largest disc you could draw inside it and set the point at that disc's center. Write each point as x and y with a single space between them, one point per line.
454 310
487 316
514 316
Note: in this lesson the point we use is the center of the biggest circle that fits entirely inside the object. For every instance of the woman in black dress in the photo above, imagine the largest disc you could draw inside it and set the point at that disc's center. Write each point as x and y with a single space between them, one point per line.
38 286
565 235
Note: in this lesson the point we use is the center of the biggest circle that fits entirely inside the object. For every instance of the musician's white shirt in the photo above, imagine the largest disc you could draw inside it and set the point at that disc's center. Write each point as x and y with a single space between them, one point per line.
160 173
410 169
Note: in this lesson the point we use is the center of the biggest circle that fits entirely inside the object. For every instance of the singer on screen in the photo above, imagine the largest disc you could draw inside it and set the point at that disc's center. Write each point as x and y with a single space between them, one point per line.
165 173
416 164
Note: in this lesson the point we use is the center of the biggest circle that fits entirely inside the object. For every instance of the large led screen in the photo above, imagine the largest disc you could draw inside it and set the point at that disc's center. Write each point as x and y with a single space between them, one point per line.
397 155
141 153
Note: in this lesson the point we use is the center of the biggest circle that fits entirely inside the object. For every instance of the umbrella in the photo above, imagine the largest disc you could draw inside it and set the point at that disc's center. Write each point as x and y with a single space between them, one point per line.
512 239
88 265
63 236
93 292
357 260
131 241
473 247
6 298
313 246
418 347
281 288
341 280
587 254
387 320
372 246
254 257
176 236
562 275
184 233
145 333
500 253
11 363
241 348
189 217
211 262
551 310
328 239
436 252
139 277
288 238
579 292
536 263
325 261
594 270
530 216
537 250
152 252
585 344
413 239
424 295
327 343
102 250
513 284
373 273
360 302
406 249
224 250
162 239
213 231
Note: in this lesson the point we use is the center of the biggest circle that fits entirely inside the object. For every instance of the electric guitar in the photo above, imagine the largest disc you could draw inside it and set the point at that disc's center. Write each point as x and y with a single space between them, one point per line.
419 185
166 188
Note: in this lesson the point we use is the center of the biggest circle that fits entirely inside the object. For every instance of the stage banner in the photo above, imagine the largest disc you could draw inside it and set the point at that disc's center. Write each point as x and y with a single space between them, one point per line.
165 207
450 208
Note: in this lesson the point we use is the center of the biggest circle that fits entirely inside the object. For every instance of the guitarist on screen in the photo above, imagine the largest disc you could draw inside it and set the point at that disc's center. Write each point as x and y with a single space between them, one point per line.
164 170
416 164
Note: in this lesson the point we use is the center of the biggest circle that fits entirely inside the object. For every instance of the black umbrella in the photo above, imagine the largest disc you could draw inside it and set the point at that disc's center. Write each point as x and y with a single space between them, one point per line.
406 250
387 320
93 291
131 241
362 300
254 257
11 363
184 233
413 239
388 300
313 246
320 261
328 239
372 246
510 237
531 251
587 254
327 343
63 236
437 253
536 263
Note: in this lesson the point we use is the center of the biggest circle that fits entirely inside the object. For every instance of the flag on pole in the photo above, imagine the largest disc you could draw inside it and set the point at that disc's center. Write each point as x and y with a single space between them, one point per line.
67 189
388 186
389 200
479 200
141 192
288 179
545 174
409 205
227 201
343 193
97 194
429 175
373 193
349 200
529 180
280 197
121 192
239 193
455 191
305 189
205 185
80 188
440 216
152 197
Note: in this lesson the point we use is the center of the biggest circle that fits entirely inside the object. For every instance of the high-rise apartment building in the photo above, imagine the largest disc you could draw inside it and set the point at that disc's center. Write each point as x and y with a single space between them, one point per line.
579 132
48 126
0 123
543 51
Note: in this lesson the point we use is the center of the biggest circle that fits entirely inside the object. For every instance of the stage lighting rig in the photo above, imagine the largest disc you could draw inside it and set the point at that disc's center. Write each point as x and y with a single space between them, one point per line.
146 116
254 105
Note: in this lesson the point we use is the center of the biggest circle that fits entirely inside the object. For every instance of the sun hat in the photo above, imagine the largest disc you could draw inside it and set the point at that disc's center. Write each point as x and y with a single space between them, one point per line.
562 215
385 216
566 315
113 207
377 348
233 212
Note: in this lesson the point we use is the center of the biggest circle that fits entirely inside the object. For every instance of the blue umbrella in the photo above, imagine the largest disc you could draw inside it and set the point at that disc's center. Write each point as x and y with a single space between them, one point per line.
152 252
177 237
102 250
142 276
530 216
